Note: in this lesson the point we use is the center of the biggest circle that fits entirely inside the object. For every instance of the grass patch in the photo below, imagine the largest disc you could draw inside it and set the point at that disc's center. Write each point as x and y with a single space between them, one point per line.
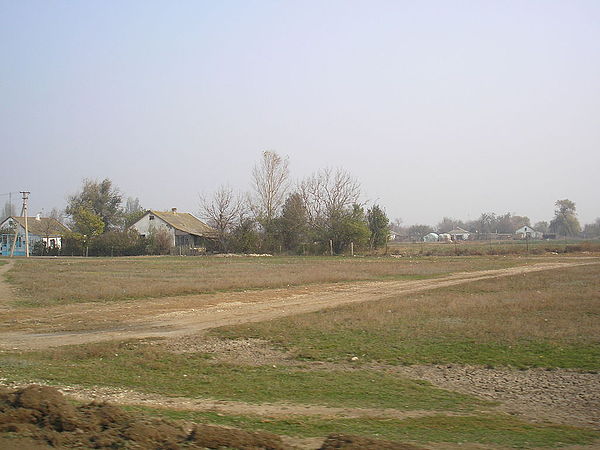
151 370
542 319
44 282
483 429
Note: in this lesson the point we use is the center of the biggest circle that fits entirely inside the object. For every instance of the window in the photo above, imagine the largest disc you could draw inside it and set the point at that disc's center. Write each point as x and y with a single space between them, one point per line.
151 217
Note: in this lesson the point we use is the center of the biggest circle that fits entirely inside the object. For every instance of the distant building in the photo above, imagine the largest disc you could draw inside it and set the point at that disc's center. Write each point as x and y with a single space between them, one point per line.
445 237
45 229
527 232
185 229
431 237
458 234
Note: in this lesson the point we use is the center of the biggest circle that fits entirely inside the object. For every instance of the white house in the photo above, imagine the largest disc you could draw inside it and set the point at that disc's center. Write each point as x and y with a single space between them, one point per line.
458 234
185 229
46 229
527 232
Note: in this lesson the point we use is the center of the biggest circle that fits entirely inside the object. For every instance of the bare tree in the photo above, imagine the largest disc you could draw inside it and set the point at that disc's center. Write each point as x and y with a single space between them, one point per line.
270 185
222 211
8 210
327 194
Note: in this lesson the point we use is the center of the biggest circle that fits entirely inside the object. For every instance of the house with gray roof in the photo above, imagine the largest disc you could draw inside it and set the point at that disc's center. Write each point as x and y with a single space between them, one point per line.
184 229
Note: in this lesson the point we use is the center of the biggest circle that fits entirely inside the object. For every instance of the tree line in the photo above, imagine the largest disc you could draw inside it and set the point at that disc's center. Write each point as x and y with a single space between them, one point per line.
563 224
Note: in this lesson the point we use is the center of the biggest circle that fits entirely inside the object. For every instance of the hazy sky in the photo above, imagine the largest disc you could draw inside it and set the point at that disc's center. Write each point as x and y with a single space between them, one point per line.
439 108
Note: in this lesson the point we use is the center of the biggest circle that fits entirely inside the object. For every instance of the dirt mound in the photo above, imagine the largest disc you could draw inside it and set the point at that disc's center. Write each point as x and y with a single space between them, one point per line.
40 417
42 414
349 442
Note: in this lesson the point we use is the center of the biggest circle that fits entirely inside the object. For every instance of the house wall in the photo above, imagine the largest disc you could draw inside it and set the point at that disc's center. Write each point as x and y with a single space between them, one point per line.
146 225
6 240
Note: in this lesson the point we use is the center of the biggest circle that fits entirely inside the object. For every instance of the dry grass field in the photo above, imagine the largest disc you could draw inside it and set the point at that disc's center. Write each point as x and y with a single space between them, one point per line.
496 358
49 281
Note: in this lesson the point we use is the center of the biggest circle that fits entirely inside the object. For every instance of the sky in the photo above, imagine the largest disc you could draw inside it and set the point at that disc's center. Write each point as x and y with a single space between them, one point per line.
438 108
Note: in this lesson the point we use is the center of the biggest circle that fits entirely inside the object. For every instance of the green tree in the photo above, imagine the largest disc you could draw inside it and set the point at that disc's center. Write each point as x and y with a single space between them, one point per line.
351 226
565 221
379 226
101 198
293 223
87 223
133 212
86 226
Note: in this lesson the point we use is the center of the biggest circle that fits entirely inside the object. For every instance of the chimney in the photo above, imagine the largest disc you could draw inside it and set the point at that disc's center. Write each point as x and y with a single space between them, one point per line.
174 210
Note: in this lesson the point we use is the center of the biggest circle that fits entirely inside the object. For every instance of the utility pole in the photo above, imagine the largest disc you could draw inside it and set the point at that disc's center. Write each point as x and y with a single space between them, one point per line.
25 198
23 214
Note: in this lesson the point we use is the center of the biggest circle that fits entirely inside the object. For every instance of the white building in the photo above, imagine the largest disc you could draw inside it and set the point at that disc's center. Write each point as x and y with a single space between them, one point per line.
459 234
185 229
431 237
527 232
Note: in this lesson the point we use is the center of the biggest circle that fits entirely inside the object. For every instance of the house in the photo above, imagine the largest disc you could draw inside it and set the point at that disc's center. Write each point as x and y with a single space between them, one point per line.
458 234
47 230
184 229
527 232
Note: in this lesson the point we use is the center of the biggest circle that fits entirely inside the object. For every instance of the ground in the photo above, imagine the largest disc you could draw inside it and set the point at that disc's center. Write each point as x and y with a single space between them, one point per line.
553 403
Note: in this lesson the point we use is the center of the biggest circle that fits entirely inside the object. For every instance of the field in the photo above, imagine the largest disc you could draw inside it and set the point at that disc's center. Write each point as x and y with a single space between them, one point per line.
436 351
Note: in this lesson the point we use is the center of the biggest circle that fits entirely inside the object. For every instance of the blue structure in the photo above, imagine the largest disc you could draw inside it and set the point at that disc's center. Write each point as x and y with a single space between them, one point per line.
6 241
47 230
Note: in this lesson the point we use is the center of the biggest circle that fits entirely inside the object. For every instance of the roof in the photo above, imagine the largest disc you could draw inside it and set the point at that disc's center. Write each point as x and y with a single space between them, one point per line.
525 228
458 230
185 222
44 226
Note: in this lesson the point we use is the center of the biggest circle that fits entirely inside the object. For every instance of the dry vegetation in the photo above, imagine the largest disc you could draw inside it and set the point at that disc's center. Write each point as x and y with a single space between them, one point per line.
65 280
544 318
349 357
508 247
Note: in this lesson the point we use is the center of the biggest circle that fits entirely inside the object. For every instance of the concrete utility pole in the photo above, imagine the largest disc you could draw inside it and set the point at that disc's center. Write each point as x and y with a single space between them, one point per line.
25 198
23 214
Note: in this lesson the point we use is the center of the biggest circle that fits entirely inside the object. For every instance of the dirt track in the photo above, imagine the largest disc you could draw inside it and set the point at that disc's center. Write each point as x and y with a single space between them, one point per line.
36 328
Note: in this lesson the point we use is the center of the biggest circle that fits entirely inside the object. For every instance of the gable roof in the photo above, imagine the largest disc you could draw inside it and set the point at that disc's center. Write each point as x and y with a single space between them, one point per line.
44 226
185 222
525 228
458 230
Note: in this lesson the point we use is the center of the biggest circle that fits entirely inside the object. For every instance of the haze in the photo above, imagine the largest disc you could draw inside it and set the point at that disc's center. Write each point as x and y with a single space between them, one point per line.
438 108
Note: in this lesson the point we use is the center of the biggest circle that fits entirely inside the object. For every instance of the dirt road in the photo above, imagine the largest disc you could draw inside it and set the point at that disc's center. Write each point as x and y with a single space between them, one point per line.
37 328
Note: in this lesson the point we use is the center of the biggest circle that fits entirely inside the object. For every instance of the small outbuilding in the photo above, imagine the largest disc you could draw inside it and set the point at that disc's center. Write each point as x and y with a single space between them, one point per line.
431 237
526 232
445 237
459 234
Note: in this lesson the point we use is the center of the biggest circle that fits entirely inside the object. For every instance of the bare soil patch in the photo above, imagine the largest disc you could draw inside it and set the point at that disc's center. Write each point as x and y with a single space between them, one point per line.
246 352
561 396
